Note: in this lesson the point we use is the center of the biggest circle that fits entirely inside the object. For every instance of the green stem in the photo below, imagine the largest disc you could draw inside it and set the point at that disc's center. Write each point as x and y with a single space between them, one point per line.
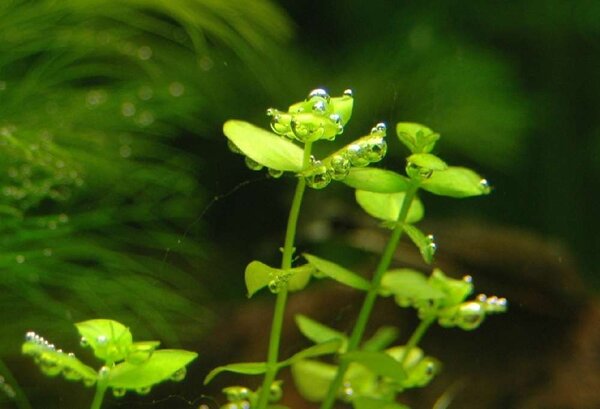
101 386
369 302
19 398
286 263
415 338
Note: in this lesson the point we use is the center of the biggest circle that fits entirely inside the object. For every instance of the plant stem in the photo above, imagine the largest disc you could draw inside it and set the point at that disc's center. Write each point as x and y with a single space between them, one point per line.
286 263
101 386
19 398
415 338
369 302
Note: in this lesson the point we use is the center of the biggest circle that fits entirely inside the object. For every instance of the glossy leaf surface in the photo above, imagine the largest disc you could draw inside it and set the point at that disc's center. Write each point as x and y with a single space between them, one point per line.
110 340
338 273
427 160
456 182
386 206
376 180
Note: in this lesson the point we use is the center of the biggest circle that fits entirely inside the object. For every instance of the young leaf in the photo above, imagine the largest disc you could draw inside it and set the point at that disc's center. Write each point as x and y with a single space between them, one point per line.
342 106
456 182
386 206
376 180
246 368
381 339
257 276
324 348
312 378
141 351
379 363
407 284
110 340
300 277
163 365
417 138
427 160
425 244
365 402
317 332
264 147
338 273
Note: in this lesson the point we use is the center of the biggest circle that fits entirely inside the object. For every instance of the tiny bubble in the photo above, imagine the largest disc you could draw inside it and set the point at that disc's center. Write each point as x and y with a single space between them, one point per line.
144 53
176 89
20 259
127 109
125 151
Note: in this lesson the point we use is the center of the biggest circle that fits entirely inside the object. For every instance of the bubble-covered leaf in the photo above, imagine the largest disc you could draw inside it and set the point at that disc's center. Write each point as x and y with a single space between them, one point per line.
110 340
379 363
427 160
455 290
312 378
317 332
425 244
381 339
342 106
338 273
264 147
160 367
376 180
324 348
409 285
386 206
246 368
456 182
417 138
366 402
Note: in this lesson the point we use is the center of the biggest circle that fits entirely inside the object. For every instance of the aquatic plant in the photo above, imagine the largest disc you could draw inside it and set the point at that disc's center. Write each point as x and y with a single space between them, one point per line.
369 374
128 365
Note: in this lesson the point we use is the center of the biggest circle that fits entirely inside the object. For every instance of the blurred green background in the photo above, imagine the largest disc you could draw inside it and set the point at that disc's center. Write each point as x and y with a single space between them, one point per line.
119 198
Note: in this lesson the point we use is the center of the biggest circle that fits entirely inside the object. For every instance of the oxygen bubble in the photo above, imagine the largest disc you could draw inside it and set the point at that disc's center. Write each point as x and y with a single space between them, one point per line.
319 178
319 93
467 279
144 53
375 149
125 151
274 286
145 118
50 365
145 93
470 315
347 392
356 155
101 339
30 336
275 173
339 167
70 374
20 259
63 218
233 147
179 375
307 127
176 89
348 93
275 392
143 391
280 122
502 302
252 164
128 109
319 107
415 171
379 129
481 298
118 392
104 372
89 382
484 186
236 393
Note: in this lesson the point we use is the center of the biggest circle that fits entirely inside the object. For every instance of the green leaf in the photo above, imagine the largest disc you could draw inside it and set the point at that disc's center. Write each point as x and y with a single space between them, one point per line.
300 277
110 340
407 284
381 339
312 379
379 363
425 244
376 180
386 206
163 365
141 351
324 348
338 273
365 402
246 368
456 182
455 290
427 160
417 138
257 276
343 107
264 147
317 332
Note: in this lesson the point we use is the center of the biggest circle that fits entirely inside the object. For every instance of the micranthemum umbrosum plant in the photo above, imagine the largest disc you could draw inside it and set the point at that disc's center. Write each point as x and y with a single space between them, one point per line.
128 365
369 374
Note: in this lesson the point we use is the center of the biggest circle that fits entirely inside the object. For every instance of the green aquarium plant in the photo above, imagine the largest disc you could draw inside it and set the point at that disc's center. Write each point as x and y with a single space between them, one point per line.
127 365
372 373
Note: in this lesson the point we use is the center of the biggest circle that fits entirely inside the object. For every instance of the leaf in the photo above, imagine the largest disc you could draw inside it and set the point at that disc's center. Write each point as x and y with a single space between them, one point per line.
257 276
324 348
409 284
110 340
141 351
417 138
264 147
381 339
427 160
246 368
386 206
312 379
338 273
161 366
300 277
425 244
343 107
317 332
456 182
379 363
376 180
365 402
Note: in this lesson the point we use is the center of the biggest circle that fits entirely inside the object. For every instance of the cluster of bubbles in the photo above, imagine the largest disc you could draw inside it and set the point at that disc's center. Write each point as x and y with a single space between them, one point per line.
278 281
311 120
240 397
104 372
429 249
6 388
360 153
33 171
470 314
53 361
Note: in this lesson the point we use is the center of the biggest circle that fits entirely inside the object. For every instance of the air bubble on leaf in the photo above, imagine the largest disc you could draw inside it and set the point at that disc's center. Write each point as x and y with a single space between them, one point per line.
20 259
179 375
307 127
348 93
319 93
30 336
274 286
470 315
275 173
347 392
275 391
467 279
379 129
50 365
176 89
280 121
417 172
70 374
236 393
319 107
375 149
233 147
252 164
337 120
144 53
145 118
84 342
339 167
481 298
143 391
485 186
118 392
357 155
128 109
318 178
88 382
101 339
104 372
